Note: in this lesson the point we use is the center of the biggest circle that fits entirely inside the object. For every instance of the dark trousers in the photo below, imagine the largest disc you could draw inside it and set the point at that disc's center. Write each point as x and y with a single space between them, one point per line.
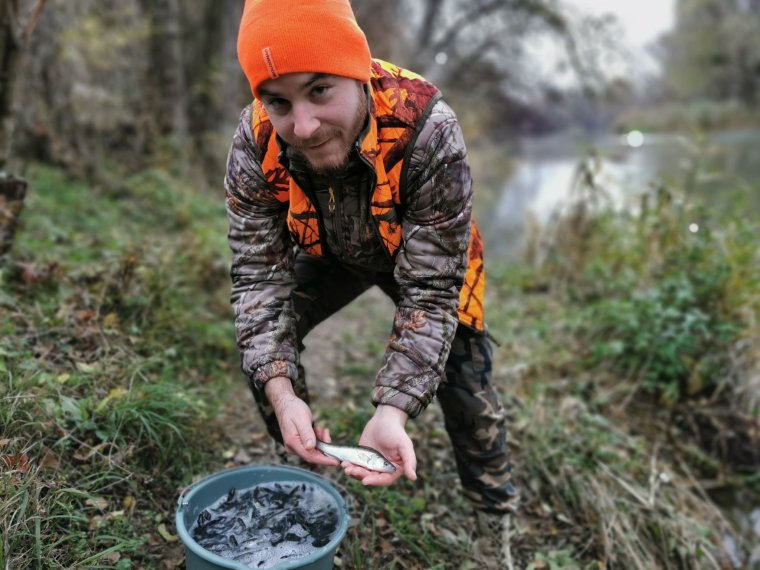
474 418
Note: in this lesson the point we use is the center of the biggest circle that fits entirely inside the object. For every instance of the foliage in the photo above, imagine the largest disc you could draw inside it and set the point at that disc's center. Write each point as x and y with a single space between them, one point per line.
663 289
633 510
115 329
117 345
713 50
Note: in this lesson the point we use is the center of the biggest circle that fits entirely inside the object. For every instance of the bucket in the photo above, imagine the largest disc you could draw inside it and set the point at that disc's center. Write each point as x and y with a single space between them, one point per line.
207 491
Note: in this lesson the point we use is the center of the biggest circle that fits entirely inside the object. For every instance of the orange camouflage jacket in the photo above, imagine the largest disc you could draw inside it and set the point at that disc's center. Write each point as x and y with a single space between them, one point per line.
420 207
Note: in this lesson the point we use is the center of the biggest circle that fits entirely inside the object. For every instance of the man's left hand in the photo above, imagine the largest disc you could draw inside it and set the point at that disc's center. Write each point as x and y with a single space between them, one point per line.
385 433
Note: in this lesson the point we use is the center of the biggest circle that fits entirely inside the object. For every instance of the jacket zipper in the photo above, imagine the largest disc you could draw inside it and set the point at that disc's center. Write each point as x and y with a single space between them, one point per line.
373 183
336 211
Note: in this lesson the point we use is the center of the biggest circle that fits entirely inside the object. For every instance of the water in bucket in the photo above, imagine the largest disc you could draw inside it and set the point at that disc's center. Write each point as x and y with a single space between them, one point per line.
268 523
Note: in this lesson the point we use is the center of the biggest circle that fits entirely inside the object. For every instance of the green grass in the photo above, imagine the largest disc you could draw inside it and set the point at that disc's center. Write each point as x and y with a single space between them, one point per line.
117 350
116 339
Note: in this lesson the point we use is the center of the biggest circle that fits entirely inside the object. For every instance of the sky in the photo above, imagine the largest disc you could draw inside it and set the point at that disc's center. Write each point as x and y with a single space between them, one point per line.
642 20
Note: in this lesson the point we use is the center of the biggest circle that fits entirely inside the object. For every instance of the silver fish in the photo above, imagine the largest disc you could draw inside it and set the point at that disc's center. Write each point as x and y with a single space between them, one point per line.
358 455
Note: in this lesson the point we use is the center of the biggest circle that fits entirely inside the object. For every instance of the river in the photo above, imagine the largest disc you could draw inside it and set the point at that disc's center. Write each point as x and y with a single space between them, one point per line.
714 168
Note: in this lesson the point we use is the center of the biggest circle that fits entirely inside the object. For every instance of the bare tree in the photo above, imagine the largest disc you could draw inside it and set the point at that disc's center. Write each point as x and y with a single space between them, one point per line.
13 35
481 52
166 82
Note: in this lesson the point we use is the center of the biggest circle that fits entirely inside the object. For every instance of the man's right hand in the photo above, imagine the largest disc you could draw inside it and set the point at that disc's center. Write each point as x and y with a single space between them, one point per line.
295 419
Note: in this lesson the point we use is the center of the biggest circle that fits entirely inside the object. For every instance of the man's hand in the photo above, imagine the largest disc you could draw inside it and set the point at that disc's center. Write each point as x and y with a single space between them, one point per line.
385 432
295 419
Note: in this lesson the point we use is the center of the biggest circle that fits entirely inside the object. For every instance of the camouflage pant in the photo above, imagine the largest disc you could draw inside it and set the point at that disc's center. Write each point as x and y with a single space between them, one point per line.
474 418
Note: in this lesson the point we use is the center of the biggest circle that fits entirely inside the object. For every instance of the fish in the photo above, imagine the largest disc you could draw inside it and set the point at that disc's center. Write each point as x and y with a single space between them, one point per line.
358 455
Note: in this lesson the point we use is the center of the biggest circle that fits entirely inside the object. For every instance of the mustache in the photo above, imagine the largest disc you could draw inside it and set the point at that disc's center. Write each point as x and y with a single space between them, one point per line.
315 139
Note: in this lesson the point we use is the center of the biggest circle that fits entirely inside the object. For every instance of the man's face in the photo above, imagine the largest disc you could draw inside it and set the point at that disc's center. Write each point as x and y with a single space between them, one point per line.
319 115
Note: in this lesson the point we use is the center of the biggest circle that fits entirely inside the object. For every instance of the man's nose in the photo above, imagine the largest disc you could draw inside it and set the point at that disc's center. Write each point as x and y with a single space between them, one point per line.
305 122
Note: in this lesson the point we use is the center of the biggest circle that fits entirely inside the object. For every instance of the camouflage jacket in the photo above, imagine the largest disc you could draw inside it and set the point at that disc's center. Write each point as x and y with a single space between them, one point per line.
429 264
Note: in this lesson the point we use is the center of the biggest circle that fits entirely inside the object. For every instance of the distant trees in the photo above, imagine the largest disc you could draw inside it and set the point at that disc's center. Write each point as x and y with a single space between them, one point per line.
714 51
484 54
130 83
115 82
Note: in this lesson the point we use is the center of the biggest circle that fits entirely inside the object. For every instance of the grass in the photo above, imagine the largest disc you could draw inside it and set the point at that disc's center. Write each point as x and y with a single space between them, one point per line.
623 352
115 340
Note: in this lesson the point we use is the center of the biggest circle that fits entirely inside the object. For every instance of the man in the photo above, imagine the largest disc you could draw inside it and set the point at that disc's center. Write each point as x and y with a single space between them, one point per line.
345 173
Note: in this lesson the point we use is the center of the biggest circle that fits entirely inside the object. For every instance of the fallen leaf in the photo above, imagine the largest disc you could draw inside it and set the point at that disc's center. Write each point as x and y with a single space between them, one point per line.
86 367
97 502
173 557
172 563
258 436
385 546
165 534
95 522
115 394
18 462
112 557
242 457
111 321
85 315
50 460
129 503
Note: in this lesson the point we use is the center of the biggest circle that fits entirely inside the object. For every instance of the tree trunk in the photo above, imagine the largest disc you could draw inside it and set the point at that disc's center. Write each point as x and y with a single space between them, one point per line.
167 70
10 43
12 190
12 194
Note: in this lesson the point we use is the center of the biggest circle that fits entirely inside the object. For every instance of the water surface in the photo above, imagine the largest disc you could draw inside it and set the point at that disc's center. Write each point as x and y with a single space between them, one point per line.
268 523
712 170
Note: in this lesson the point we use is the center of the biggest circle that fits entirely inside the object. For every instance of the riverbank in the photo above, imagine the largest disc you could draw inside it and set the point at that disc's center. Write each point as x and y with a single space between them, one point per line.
688 118
628 363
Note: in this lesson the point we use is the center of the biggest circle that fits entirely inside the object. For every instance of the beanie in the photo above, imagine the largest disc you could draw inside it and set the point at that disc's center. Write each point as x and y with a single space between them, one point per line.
301 36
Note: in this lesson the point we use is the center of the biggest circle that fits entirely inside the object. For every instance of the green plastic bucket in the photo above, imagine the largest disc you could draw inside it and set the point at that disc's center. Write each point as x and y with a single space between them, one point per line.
207 491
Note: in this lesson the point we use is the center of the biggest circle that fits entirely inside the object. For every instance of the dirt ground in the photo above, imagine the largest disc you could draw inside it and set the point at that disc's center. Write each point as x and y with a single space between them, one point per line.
357 334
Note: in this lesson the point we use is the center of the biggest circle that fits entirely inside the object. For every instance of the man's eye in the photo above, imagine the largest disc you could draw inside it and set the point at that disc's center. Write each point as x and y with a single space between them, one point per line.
277 104
320 90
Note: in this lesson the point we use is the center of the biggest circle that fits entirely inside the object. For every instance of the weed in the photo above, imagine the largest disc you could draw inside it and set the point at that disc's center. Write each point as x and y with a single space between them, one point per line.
99 405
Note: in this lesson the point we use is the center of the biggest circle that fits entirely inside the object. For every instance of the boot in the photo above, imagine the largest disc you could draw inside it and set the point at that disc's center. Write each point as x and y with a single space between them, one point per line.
491 546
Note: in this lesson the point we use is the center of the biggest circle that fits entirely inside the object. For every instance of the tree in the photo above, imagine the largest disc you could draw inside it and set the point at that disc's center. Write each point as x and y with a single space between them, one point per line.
714 51
482 53
13 36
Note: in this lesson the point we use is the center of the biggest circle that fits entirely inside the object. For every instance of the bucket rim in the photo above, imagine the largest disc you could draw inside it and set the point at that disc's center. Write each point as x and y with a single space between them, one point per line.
183 501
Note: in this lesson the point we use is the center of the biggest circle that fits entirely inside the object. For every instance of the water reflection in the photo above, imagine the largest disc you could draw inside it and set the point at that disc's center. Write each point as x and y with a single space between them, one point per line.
710 169
737 506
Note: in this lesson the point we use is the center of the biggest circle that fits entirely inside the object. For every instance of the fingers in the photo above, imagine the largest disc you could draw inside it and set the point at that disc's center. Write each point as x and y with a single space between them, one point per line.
367 477
300 440
409 463
306 436
323 434
377 479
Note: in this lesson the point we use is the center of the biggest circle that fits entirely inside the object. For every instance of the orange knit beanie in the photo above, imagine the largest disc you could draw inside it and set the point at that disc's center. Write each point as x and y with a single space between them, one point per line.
296 36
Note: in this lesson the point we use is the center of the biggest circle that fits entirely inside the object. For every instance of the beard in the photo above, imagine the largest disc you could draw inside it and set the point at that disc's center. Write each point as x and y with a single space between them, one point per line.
346 139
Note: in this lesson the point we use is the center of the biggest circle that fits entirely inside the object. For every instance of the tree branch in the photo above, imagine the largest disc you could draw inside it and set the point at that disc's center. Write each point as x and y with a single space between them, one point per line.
34 16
